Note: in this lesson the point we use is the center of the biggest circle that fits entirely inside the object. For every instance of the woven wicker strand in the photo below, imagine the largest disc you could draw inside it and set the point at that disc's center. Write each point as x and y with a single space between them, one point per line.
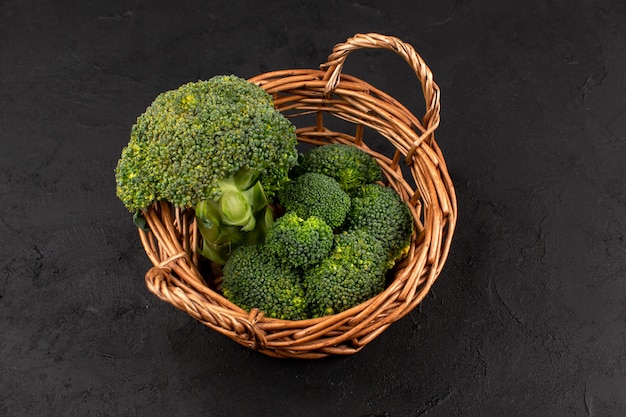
321 95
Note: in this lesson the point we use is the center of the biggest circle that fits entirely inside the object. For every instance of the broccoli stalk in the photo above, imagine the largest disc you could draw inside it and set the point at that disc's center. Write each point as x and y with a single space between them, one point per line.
239 216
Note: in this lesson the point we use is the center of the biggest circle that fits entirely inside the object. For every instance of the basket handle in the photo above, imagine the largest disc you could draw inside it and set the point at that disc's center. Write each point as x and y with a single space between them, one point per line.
337 58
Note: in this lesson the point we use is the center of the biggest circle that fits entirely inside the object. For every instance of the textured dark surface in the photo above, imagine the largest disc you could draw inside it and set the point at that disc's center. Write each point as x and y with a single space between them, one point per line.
528 317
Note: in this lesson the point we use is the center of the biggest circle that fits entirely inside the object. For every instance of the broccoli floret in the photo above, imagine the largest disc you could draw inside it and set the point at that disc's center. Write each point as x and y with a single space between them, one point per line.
380 212
353 273
254 278
313 194
193 143
350 166
298 242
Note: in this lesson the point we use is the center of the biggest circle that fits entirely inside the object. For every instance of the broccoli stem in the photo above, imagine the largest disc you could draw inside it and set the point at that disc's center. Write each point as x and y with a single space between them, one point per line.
239 216
235 209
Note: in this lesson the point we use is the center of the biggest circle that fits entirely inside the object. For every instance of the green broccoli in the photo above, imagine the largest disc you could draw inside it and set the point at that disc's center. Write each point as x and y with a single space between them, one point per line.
205 141
298 242
380 211
353 273
313 194
350 166
255 278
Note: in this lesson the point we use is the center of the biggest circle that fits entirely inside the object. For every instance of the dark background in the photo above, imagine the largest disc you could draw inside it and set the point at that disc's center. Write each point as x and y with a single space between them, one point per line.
528 317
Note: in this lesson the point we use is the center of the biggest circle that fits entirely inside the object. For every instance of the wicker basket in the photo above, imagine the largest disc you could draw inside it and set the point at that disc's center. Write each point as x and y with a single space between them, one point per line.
314 96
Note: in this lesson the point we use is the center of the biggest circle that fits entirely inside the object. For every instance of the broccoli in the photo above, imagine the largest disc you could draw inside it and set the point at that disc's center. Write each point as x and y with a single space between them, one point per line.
205 146
313 194
350 166
353 273
255 278
299 243
380 211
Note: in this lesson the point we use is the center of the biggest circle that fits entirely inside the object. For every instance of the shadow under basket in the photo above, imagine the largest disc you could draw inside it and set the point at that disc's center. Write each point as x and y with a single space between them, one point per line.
414 167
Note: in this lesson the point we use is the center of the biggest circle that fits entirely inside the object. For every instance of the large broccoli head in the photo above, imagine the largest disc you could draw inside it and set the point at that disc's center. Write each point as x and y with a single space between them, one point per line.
190 138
